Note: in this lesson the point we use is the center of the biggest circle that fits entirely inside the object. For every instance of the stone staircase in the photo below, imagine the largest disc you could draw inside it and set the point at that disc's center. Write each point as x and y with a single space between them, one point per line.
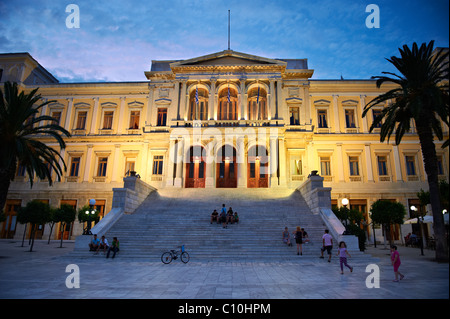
170 218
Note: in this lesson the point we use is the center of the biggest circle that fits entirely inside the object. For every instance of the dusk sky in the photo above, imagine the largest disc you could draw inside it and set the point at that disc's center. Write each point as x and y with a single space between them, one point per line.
117 40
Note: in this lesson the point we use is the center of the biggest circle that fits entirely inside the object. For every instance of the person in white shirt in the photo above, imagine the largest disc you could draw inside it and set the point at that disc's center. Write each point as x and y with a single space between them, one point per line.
327 242
103 245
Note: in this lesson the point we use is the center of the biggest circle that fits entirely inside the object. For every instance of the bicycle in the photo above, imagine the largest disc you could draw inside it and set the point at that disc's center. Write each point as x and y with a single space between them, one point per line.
168 256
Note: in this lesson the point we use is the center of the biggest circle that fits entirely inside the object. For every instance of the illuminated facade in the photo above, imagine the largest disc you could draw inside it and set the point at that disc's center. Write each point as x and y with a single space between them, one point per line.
225 120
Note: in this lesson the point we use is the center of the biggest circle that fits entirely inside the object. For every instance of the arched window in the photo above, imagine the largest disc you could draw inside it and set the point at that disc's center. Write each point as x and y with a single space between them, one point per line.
198 105
227 109
257 104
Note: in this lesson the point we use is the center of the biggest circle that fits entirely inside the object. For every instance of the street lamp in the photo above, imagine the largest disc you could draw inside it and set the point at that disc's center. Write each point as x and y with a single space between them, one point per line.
345 203
419 222
90 212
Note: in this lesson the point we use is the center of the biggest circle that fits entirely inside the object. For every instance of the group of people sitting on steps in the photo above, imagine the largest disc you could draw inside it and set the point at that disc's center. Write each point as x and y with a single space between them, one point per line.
97 245
225 216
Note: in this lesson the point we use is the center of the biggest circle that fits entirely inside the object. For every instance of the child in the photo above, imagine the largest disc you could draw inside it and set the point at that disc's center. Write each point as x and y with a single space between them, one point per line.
342 253
395 259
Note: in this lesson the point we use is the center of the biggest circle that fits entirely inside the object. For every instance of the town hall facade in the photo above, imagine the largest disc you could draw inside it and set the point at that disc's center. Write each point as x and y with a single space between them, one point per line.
223 120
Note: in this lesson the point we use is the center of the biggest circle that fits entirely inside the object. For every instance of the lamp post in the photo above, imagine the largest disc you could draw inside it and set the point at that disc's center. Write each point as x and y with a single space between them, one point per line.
419 222
90 212
345 203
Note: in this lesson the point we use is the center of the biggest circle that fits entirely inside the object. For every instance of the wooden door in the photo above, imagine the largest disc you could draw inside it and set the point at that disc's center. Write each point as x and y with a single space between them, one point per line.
257 176
195 174
9 225
227 174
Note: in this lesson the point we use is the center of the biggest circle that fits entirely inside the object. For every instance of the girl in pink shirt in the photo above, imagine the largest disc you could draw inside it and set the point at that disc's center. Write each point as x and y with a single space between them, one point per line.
395 259
342 253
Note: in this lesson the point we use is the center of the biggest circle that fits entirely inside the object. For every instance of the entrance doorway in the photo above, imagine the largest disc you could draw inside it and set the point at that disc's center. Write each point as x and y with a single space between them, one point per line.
257 167
195 168
9 225
226 167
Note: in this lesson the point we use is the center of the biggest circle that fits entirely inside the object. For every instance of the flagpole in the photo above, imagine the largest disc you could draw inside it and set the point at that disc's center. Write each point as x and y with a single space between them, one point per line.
228 30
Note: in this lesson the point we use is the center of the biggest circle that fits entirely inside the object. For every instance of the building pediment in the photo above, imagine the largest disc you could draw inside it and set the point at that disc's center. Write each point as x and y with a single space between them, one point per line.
227 59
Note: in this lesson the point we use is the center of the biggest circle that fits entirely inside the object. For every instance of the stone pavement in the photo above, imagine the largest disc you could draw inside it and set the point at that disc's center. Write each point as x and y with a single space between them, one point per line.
42 275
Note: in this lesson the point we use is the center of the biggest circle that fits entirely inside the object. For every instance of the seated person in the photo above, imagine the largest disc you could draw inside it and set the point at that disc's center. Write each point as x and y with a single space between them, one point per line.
236 217
215 216
408 239
94 244
305 236
230 216
114 247
286 237
103 245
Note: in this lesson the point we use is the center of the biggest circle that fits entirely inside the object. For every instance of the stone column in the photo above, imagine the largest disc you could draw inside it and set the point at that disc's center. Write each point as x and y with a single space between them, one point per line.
94 117
210 164
362 99
212 99
87 166
179 160
171 162
68 114
272 104
282 152
273 163
398 168
242 164
183 112
340 163
337 124
244 96
368 162
115 163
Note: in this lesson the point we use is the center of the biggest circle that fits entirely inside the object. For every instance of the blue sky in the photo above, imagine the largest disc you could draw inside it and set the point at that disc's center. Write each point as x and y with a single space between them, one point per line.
117 40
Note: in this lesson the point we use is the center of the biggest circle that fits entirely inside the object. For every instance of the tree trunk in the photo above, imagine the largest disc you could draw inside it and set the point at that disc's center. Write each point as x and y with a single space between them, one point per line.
33 230
430 160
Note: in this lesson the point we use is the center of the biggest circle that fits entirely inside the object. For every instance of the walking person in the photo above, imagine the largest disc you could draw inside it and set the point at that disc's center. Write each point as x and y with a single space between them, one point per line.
223 216
343 253
395 259
298 239
327 244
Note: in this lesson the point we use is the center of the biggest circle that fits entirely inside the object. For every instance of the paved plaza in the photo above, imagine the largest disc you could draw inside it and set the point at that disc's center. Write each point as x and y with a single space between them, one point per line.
42 274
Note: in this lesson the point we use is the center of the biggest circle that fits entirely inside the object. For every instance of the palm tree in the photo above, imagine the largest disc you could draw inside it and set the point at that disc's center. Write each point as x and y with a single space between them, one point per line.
20 126
422 96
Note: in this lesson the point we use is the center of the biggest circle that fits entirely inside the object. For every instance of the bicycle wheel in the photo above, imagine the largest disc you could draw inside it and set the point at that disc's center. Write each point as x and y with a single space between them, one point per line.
185 257
166 257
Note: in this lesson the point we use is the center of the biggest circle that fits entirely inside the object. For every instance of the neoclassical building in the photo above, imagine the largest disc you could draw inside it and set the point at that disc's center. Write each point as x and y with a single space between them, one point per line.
224 120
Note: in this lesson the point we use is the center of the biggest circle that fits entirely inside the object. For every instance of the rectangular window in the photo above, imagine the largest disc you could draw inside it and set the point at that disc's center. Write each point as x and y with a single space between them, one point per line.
74 166
162 117
382 166
252 170
440 165
108 120
81 120
325 166
296 168
410 166
350 118
134 120
102 164
21 170
129 167
354 165
322 118
57 117
375 114
158 165
294 116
